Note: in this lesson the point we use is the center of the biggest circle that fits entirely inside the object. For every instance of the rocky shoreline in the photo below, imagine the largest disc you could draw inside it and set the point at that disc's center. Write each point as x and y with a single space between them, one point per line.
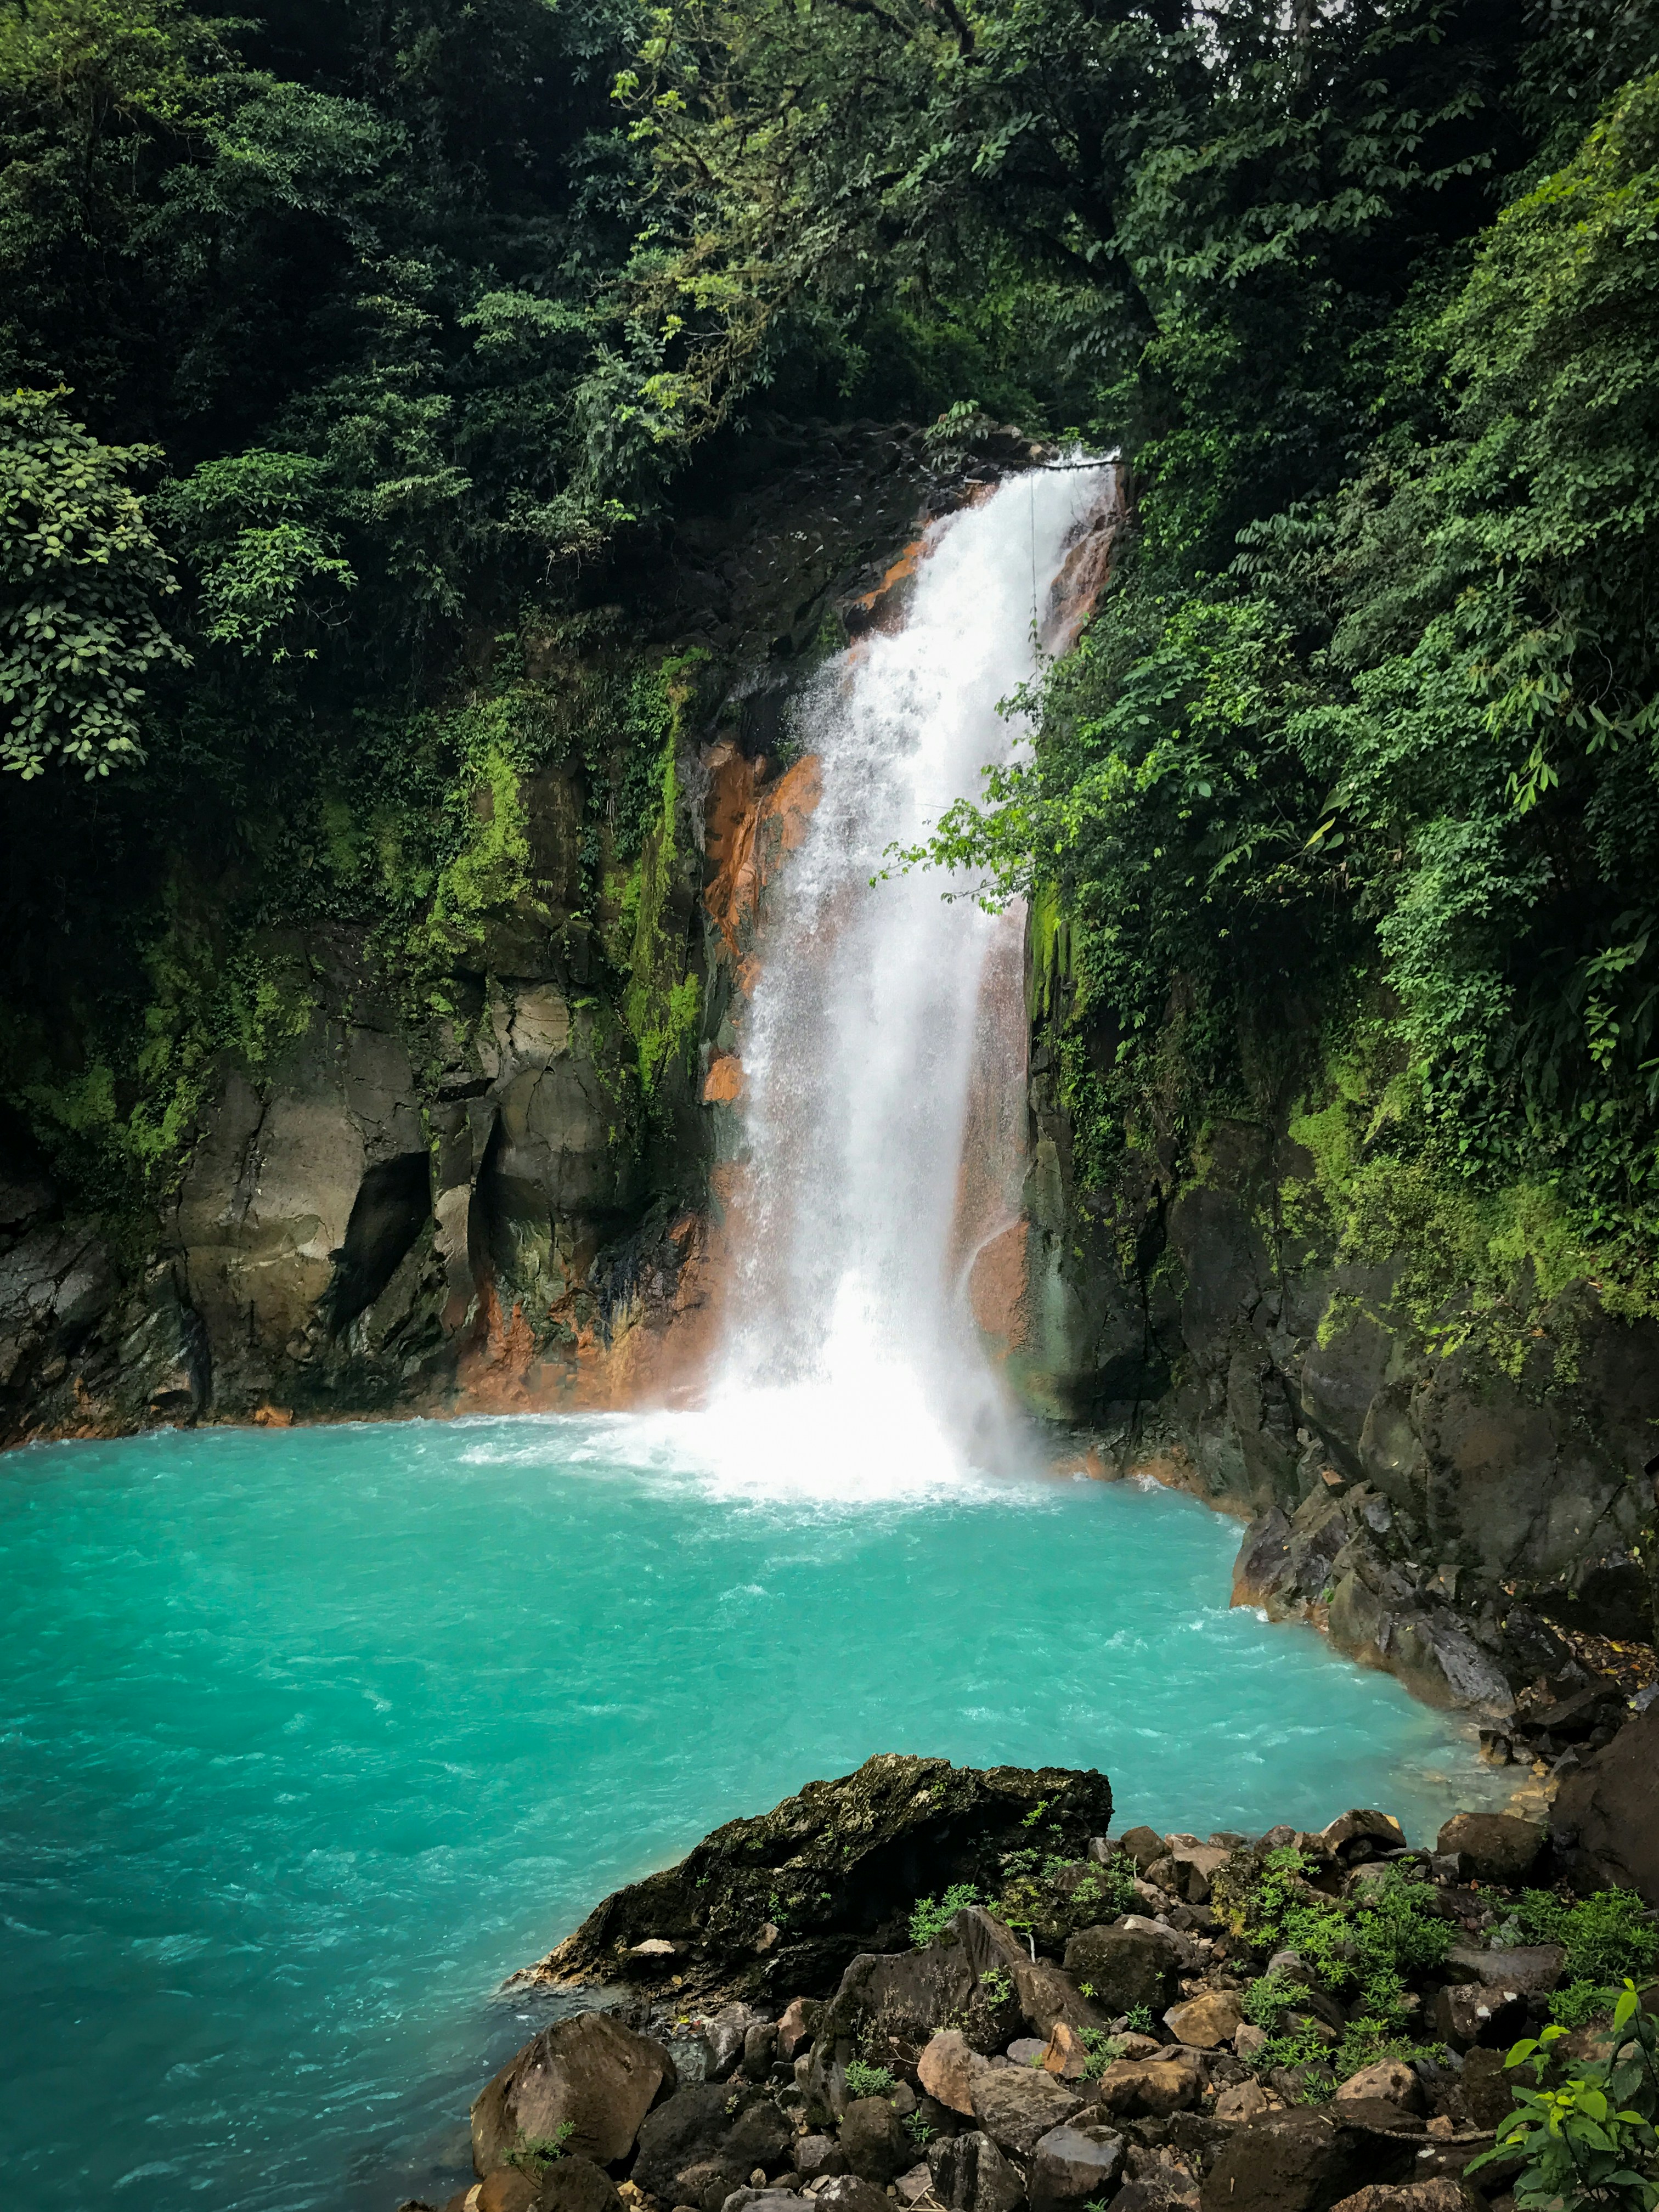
951 1990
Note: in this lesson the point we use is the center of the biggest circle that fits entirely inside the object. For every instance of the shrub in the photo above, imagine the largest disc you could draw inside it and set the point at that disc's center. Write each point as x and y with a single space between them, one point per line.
931 1916
867 2081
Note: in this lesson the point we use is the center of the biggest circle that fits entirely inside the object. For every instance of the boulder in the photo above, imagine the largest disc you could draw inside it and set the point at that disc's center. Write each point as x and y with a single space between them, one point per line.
797 2026
571 2185
1390 2080
1360 1834
1485 2089
912 2186
1301 2161
1606 1815
1073 2166
1064 2055
1243 2101
1017 2106
1439 2193
686 2133
945 2070
1148 2088
1491 1846
1144 1846
1534 1969
1048 1996
1195 1867
1207 2021
760 2048
848 2193
818 2156
876 2146
846 1859
1124 1967
1478 2012
761 2135
891 2002
970 2174
507 2189
590 2071
726 2035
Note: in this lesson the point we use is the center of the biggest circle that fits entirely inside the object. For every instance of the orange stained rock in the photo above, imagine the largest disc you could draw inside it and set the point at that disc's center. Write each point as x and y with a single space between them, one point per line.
724 1082
751 831
998 1286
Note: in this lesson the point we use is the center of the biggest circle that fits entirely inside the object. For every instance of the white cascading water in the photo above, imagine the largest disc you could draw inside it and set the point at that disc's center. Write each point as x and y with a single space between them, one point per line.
850 1353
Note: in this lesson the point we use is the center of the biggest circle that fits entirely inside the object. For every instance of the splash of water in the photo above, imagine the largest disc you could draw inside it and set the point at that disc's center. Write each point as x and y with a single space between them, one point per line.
850 1348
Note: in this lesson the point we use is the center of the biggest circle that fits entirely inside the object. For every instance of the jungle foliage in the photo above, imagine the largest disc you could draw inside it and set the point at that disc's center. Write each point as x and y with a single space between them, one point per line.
348 345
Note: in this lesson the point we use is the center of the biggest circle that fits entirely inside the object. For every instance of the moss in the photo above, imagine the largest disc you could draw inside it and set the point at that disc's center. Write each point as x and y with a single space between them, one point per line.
1473 1266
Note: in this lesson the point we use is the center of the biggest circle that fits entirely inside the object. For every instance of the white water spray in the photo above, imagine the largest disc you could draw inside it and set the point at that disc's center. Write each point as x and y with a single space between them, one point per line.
850 1354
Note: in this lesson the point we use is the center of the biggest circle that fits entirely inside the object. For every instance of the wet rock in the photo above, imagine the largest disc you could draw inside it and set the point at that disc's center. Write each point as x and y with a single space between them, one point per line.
848 1858
1016 2106
1606 1815
569 2185
970 2174
946 2069
1072 2165
1390 2082
1207 2021
1491 1846
590 2071
1301 2161
875 2143
1124 1966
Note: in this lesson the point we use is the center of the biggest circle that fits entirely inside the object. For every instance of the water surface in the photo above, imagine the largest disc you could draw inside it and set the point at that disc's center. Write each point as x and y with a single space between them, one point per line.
309 1737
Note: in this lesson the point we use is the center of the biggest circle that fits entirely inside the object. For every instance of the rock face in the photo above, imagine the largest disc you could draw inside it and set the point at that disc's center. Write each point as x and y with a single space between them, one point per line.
590 2073
874 1841
1605 1816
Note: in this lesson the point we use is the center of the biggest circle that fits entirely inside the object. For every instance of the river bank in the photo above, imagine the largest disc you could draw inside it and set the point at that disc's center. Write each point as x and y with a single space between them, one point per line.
962 1989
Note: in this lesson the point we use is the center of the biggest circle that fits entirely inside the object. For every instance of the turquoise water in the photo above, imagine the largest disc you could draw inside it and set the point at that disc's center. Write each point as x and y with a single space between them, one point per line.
309 1737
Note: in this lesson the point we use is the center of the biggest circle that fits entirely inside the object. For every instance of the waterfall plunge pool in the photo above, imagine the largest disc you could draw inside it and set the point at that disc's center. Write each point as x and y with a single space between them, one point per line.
311 1735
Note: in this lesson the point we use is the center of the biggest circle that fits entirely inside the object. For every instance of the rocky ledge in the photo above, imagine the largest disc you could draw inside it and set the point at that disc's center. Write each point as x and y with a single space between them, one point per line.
943 1990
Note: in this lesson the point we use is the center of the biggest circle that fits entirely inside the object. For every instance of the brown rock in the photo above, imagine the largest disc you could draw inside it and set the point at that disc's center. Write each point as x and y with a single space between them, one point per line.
1491 1846
1485 2089
1438 2194
1207 2021
1064 2055
1195 1865
1017 2106
507 2189
796 2028
1360 1834
1242 2102
1145 1846
1148 2088
945 2070
572 2185
590 2071
1390 2080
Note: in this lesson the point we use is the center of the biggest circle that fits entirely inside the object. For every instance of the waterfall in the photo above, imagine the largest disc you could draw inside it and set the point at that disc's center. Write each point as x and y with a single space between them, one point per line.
885 1017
